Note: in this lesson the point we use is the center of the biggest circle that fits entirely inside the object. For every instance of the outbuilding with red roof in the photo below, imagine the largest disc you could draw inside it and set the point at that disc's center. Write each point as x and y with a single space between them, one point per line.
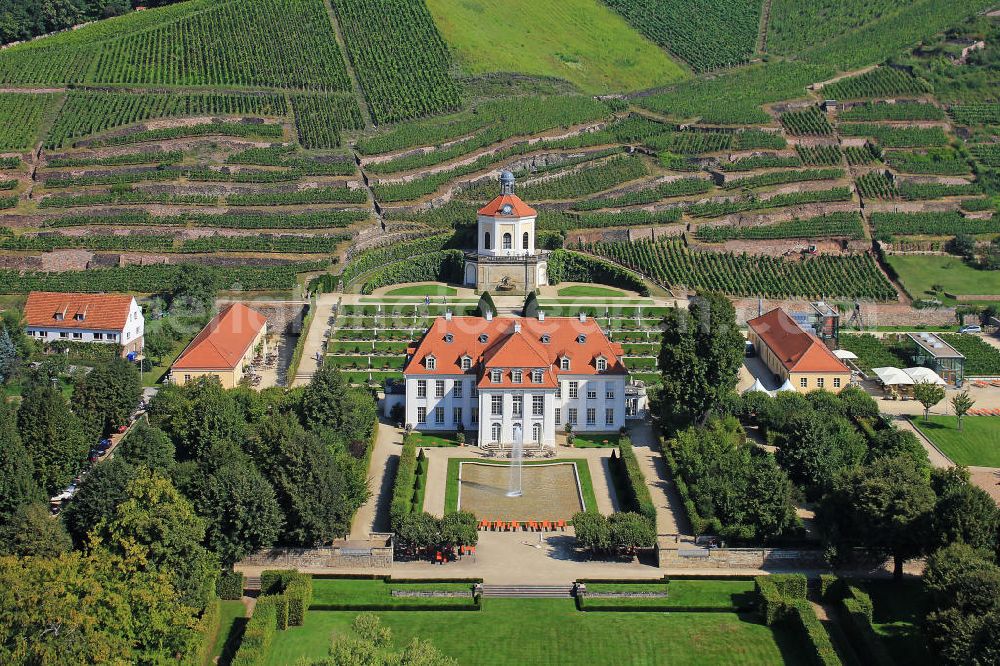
794 354
225 348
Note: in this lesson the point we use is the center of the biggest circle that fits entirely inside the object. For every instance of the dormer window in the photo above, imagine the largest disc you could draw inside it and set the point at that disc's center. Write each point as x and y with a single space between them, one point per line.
546 338
581 338
536 376
79 316
602 364
495 376
431 363
59 316
564 363
507 209
466 362
483 338
516 376
448 337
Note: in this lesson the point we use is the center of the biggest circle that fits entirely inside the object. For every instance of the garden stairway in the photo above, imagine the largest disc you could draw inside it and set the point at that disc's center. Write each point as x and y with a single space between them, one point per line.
528 591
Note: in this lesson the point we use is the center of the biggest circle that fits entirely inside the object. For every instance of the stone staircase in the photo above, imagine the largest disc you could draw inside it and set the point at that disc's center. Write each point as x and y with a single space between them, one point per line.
251 583
529 591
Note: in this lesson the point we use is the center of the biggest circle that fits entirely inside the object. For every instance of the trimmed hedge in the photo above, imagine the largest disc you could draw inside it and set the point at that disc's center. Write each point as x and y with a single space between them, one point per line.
230 585
639 499
293 591
207 628
566 266
772 604
299 596
820 650
258 635
856 609
406 476
699 525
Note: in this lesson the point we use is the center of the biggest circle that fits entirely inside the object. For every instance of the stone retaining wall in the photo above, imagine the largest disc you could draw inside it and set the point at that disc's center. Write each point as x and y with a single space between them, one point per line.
334 557
741 558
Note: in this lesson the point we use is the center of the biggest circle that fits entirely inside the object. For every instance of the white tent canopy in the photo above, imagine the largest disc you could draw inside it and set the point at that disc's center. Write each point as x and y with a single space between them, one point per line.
787 386
843 354
922 375
892 376
757 387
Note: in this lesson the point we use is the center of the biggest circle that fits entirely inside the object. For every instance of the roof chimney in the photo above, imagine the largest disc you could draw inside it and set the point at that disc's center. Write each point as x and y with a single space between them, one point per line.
583 317
517 327
541 316
447 315
489 315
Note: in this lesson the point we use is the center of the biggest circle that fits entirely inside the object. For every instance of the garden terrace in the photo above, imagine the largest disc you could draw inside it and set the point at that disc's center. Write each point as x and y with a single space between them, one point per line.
920 274
887 225
847 225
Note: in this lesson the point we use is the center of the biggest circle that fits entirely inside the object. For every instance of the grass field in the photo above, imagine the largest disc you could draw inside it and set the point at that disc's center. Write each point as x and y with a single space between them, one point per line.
423 290
581 290
434 439
919 272
587 441
581 41
366 593
977 444
725 594
899 608
231 621
540 631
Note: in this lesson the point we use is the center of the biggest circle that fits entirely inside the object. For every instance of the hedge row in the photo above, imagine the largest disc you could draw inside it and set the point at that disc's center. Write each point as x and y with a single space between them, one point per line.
566 266
699 524
639 499
258 634
406 477
207 628
230 585
445 266
782 598
856 609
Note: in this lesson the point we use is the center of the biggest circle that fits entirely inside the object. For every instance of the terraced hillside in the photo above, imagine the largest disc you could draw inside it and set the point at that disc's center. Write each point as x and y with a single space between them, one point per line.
231 156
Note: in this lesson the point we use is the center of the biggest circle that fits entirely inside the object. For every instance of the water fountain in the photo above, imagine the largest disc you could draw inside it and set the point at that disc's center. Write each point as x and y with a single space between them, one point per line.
514 488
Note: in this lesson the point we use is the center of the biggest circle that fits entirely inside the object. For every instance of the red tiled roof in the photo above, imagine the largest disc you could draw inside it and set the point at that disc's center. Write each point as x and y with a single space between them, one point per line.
518 207
101 312
507 349
797 349
224 341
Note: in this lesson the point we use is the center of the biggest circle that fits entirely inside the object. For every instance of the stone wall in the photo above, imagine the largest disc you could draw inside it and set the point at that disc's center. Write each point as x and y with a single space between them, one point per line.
741 558
333 557
872 314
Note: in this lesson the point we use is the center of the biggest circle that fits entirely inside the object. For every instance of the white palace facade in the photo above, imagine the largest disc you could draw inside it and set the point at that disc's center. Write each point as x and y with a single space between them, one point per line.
515 379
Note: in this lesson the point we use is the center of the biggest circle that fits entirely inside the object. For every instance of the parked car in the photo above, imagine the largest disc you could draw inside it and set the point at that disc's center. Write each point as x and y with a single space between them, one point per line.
94 455
971 328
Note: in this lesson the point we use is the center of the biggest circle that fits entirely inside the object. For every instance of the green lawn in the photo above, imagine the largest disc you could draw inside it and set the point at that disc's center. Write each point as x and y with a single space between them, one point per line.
589 441
366 593
423 290
582 472
434 439
977 444
919 272
899 609
729 594
581 290
581 41
231 622
516 632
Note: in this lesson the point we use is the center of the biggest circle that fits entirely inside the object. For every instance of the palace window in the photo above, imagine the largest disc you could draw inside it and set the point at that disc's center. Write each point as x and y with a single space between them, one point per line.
431 363
466 363
537 405
602 364
486 240
496 405
536 433
558 416
572 415
524 241
591 416
456 415
591 394
495 376
516 376
439 388
609 417
439 415
495 432
536 376
574 390
458 389
508 242
475 415
564 363
609 394
421 415
421 388
518 401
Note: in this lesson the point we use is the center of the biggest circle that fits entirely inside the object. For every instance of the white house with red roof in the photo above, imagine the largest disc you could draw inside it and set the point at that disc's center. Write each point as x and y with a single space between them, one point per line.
114 319
505 259
514 379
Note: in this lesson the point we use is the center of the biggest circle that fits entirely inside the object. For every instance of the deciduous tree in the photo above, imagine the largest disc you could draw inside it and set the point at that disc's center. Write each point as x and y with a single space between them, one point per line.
32 531
51 433
928 395
149 446
241 509
101 491
17 481
961 403
106 397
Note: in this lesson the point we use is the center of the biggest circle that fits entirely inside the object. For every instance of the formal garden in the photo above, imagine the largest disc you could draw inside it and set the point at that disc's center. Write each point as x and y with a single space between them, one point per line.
976 443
